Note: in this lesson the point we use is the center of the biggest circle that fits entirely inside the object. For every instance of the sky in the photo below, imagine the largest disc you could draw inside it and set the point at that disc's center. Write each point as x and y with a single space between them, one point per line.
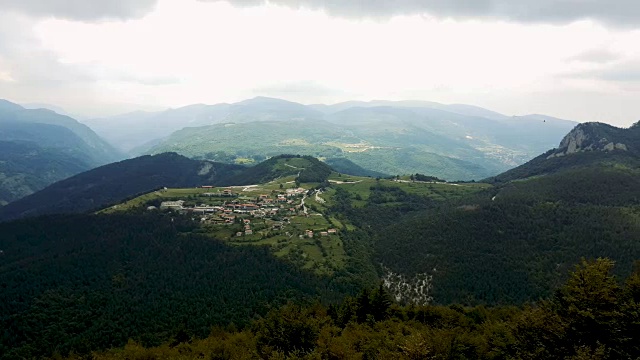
574 59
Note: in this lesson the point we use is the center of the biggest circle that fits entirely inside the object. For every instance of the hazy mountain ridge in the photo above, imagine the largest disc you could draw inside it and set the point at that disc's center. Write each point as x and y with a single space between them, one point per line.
485 139
42 147
27 168
102 152
391 154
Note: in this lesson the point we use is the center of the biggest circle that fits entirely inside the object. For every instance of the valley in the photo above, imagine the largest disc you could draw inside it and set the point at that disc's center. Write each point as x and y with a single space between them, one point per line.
390 138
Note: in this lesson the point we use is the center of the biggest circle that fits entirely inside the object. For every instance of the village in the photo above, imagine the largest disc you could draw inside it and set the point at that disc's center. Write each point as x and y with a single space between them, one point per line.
239 215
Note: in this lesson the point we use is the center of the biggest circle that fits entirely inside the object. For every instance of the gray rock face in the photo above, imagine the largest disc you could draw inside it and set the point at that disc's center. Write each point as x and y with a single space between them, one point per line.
579 140
573 141
609 147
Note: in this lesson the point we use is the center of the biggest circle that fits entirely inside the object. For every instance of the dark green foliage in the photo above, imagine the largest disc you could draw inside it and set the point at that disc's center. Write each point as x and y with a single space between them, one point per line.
81 283
26 168
591 317
309 170
346 166
426 178
290 329
515 247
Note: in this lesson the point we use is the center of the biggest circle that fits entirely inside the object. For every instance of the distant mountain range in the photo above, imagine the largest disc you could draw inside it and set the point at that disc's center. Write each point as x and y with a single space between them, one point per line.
39 147
449 141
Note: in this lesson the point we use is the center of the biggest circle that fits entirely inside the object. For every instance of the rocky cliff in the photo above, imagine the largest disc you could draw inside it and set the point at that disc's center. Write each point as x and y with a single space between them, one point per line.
591 137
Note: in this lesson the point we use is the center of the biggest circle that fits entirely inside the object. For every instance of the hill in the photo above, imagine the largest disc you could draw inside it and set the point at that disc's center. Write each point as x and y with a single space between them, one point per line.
592 314
144 127
306 169
348 167
41 147
84 283
396 150
450 141
427 241
113 183
498 246
99 151
26 168
587 144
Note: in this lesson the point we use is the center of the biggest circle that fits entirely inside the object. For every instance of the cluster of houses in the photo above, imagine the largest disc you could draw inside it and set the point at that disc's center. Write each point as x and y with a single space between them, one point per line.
233 209
310 233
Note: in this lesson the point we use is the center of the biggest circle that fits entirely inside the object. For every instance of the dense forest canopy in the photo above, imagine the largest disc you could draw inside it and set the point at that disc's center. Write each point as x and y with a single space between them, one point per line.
592 315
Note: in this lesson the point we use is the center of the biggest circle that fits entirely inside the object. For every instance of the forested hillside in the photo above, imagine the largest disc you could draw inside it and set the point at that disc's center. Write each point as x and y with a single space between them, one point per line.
591 316
588 144
82 283
26 168
508 244
306 169
115 182
40 147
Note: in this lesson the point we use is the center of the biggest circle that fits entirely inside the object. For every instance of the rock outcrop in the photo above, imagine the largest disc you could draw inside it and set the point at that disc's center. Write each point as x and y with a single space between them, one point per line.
587 137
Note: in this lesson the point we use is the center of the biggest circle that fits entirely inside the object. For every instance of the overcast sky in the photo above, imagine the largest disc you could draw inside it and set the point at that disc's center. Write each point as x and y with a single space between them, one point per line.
576 59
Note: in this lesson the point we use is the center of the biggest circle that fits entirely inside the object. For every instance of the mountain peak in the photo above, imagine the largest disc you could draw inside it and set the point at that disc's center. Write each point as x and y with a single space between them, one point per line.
592 136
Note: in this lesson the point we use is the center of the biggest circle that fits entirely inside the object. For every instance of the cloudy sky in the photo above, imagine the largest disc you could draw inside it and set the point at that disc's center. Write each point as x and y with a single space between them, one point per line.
577 59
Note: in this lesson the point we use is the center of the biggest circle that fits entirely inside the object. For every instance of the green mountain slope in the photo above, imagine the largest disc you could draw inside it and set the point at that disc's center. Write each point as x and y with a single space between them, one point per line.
99 151
306 169
348 167
114 182
390 150
40 147
483 142
26 168
586 145
85 282
513 242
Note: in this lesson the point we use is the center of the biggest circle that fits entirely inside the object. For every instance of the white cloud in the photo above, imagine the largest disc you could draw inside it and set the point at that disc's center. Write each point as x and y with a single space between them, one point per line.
187 51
